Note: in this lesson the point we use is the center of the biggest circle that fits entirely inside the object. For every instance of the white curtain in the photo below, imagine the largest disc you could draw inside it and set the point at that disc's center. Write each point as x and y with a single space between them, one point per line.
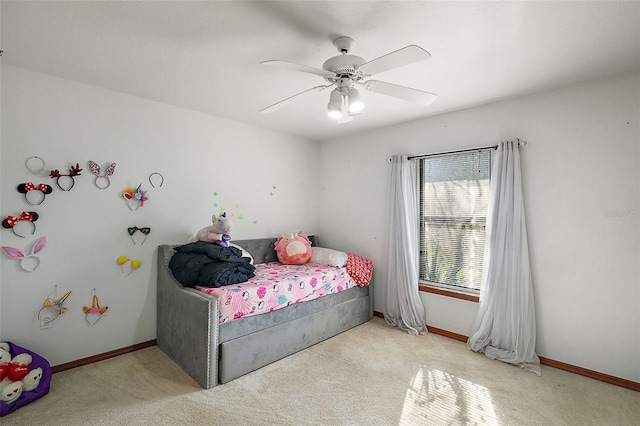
404 307
505 328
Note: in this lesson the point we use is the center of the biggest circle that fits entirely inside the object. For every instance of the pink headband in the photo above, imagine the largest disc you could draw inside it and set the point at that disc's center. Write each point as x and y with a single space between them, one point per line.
95 169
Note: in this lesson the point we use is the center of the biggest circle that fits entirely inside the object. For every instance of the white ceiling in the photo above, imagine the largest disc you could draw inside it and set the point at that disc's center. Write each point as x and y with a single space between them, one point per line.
206 55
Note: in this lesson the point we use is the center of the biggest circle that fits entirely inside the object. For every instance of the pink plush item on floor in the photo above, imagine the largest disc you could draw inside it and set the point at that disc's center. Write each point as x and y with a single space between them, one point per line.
28 394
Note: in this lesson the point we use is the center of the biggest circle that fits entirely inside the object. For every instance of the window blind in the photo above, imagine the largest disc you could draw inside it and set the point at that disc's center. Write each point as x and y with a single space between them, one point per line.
454 197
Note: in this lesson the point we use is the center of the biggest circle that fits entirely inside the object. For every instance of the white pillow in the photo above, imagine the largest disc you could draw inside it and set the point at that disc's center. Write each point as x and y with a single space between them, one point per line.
244 252
325 256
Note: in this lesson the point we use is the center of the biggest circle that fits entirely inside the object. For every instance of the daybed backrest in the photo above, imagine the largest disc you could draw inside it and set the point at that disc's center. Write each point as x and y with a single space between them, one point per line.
261 249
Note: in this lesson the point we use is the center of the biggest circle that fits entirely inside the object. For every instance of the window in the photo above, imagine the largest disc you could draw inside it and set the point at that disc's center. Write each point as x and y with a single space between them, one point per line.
454 197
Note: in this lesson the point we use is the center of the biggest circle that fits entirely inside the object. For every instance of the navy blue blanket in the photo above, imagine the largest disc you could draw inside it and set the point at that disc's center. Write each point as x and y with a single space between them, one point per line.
209 265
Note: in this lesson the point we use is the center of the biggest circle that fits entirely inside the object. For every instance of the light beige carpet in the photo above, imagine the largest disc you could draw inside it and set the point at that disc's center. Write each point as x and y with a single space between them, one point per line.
371 375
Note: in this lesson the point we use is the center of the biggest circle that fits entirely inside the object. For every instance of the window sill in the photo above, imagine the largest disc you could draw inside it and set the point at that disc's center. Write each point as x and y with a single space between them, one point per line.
448 292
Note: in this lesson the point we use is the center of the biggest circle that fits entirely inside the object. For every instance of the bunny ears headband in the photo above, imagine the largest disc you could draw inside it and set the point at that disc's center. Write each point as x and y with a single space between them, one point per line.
28 262
102 181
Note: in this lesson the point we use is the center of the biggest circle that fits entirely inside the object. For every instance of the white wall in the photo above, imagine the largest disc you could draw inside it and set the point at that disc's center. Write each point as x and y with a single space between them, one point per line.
267 180
581 163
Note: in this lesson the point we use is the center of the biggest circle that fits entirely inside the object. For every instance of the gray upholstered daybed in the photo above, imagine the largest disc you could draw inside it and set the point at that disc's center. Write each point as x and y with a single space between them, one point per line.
188 330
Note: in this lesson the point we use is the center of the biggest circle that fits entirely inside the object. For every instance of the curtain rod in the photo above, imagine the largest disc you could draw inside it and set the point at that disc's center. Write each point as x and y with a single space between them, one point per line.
521 143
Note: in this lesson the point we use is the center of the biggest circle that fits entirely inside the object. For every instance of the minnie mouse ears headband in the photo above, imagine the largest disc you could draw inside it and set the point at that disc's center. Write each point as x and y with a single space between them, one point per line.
34 194
13 222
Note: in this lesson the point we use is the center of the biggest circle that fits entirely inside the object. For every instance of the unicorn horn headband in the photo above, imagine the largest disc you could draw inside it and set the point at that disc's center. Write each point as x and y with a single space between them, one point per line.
55 305
95 309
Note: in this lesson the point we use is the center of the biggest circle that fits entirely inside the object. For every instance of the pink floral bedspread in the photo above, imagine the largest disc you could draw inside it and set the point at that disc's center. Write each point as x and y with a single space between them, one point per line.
276 286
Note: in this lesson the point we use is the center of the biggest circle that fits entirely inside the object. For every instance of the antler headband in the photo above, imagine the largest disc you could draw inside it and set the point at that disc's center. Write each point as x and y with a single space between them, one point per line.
73 171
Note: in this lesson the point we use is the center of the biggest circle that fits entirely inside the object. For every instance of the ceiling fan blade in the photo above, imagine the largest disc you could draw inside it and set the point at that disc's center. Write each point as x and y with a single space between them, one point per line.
297 67
405 56
400 92
283 103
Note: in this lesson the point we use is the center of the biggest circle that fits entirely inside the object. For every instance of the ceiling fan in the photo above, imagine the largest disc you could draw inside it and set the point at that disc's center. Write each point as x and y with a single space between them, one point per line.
346 71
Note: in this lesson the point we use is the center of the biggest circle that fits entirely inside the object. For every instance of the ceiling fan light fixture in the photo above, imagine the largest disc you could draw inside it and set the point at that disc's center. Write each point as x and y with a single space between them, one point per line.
335 104
334 112
355 103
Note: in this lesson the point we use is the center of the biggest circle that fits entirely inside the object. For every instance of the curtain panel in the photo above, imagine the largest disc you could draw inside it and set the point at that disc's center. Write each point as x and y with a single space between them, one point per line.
505 328
404 307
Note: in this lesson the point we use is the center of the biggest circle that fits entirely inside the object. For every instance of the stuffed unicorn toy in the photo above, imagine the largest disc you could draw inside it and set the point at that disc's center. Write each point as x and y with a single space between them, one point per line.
218 233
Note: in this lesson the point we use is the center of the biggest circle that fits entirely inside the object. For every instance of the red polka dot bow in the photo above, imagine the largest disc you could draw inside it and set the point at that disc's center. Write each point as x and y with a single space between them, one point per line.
31 187
12 220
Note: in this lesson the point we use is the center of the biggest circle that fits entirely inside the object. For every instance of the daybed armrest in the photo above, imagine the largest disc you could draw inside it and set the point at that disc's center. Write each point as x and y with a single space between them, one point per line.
187 324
